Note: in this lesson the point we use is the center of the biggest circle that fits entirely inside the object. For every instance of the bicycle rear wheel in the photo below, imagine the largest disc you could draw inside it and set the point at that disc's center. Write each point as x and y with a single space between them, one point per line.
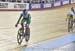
27 34
70 25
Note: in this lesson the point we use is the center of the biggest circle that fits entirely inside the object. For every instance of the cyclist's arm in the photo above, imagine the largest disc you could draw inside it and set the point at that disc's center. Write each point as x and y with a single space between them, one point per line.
19 18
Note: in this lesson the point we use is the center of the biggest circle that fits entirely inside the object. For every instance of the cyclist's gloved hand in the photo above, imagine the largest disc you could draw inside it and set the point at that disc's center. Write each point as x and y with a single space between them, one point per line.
16 25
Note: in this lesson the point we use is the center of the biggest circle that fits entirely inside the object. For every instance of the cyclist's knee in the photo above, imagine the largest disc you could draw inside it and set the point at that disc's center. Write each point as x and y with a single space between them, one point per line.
27 31
27 25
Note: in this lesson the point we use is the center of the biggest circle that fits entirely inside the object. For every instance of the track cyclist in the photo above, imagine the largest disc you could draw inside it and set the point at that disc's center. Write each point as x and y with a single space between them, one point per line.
71 19
25 17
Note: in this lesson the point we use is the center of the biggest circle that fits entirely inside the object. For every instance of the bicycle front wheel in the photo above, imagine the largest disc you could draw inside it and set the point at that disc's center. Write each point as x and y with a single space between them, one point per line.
20 36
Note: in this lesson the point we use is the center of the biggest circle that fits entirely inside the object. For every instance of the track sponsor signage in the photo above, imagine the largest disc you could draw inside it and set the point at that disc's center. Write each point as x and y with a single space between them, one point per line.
47 5
35 6
3 5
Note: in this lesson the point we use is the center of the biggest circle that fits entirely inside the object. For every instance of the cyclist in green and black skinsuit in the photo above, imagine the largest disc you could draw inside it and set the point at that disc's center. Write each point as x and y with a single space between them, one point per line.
26 17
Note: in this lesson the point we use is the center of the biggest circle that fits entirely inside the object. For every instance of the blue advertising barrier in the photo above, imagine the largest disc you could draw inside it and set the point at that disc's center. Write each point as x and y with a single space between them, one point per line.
49 5
61 3
42 6
70 1
35 6
30 6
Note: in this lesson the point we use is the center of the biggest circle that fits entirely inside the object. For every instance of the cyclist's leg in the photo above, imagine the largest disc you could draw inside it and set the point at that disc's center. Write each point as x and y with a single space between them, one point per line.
71 23
27 24
27 33
22 24
68 25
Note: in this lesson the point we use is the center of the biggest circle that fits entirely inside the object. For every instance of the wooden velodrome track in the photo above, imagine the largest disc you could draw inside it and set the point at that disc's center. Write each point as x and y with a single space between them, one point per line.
45 25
